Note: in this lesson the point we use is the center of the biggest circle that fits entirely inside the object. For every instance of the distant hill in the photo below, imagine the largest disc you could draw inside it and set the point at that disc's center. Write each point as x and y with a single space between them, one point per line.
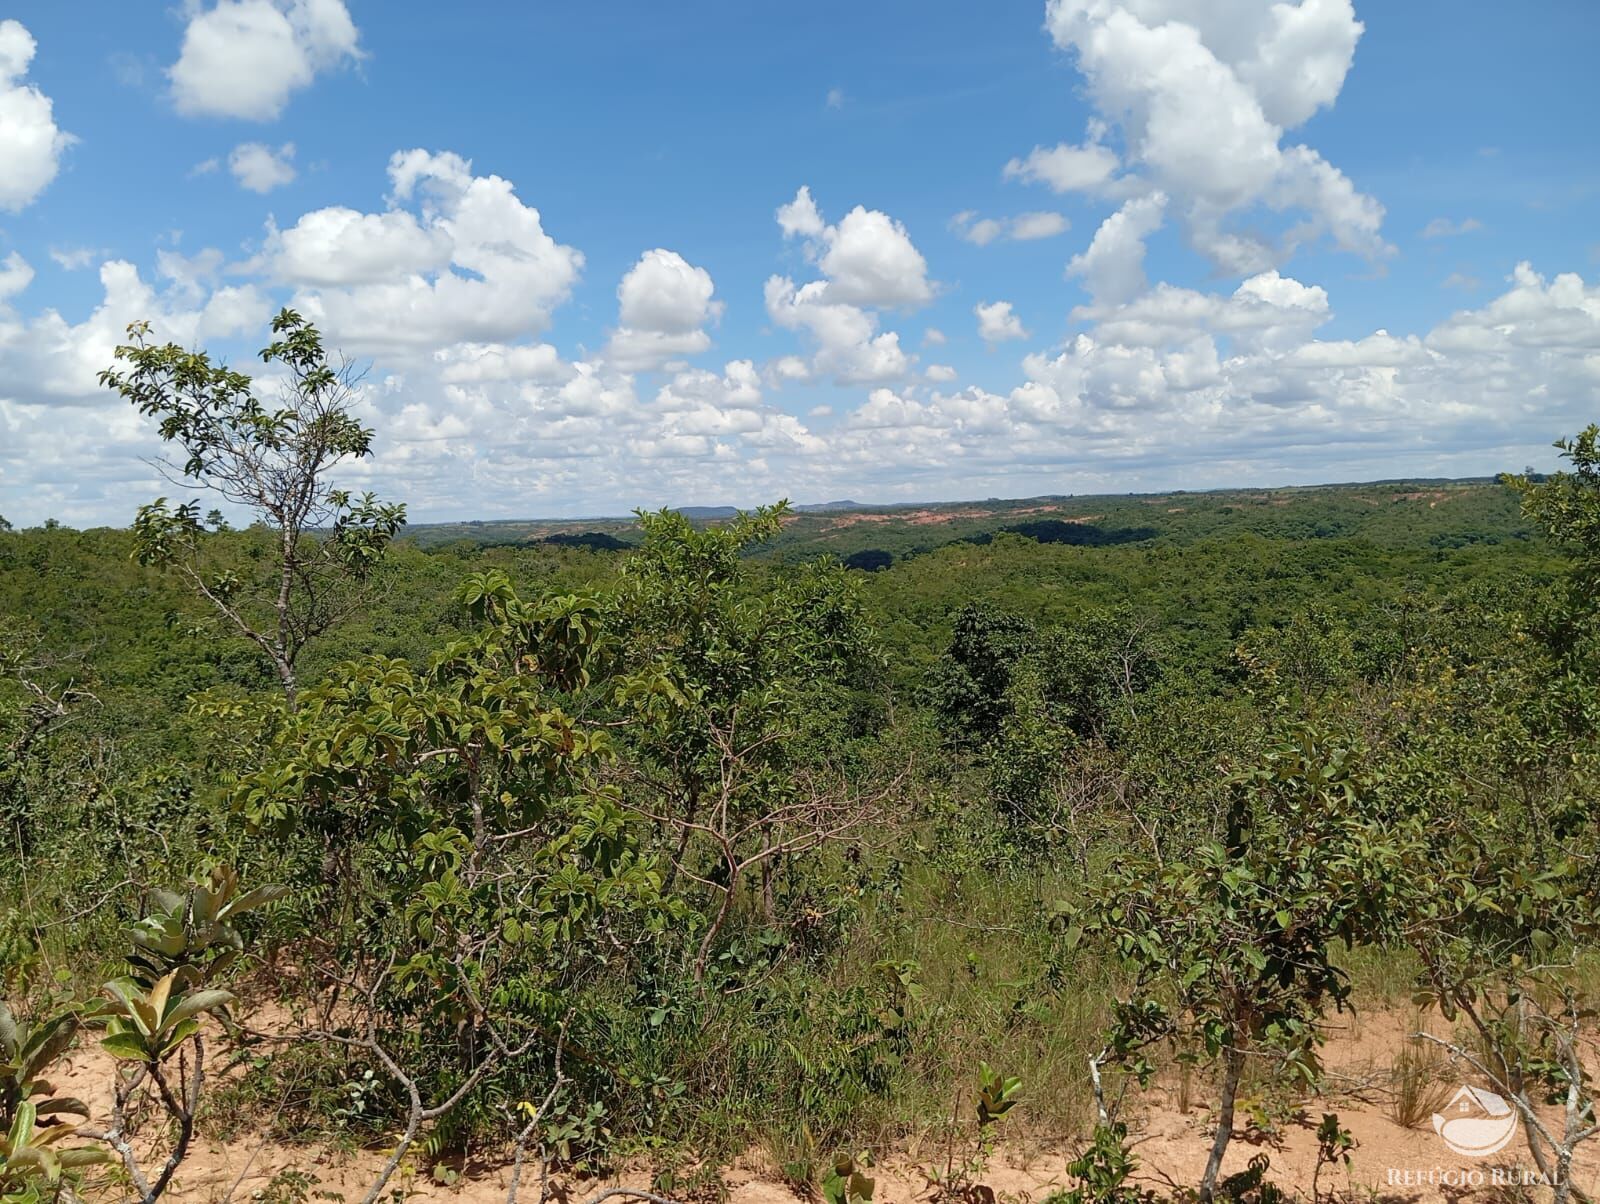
1427 513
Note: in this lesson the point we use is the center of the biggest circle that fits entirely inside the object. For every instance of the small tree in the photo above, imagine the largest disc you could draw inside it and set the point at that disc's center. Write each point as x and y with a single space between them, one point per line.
483 876
1493 820
1567 504
730 685
1232 948
274 461
1497 891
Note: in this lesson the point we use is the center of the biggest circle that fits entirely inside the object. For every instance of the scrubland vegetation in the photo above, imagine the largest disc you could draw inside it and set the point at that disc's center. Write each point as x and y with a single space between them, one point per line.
558 858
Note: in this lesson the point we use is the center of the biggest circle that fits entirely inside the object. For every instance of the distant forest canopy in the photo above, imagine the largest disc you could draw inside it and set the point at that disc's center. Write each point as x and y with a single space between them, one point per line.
1206 566
846 528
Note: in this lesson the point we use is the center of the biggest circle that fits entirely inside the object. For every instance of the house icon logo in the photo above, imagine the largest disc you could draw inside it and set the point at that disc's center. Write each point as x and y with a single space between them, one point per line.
1476 1123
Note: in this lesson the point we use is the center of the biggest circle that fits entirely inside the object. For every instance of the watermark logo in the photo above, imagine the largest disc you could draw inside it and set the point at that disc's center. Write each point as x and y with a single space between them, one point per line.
1476 1123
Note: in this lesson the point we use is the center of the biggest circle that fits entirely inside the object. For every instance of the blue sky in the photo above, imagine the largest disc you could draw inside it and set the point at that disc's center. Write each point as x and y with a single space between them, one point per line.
1229 202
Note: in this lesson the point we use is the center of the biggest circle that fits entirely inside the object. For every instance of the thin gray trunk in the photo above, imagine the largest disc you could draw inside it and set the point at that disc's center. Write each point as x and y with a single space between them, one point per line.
1233 1066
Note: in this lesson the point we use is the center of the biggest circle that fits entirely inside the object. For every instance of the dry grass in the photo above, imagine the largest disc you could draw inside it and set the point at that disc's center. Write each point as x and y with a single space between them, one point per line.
1420 1080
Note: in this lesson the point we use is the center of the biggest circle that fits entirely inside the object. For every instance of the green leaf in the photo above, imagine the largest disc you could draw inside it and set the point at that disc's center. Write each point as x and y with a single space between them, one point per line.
194 1004
63 1104
129 1046
252 899
134 1004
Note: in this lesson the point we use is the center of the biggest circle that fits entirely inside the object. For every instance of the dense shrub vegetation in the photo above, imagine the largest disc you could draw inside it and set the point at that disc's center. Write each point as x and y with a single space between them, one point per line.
700 841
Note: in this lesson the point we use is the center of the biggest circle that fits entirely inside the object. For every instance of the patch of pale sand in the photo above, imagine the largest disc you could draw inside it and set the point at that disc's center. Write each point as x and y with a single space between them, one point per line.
1170 1144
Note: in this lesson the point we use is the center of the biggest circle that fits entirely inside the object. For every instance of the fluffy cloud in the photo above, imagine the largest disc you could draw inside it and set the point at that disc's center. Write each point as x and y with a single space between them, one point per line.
260 168
868 257
1066 168
1025 227
244 58
66 447
15 275
664 303
479 363
445 289
1202 96
1112 267
1211 389
996 322
867 261
469 262
849 346
344 247
450 287
1268 312
1172 385
31 145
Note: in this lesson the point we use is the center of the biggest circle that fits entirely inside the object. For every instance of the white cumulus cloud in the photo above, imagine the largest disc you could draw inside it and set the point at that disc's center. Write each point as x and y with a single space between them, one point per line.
997 322
1203 96
850 347
868 257
456 257
868 262
1067 168
1112 267
31 144
244 58
260 168
664 303
16 273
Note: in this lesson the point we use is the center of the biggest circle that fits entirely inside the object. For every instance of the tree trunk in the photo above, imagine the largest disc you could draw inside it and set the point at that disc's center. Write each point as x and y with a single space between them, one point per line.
291 689
1233 1065
716 925
691 812
281 641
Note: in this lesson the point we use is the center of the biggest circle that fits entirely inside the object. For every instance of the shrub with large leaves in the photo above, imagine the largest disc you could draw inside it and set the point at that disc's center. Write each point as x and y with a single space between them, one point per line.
27 1051
193 937
35 1164
150 1026
466 870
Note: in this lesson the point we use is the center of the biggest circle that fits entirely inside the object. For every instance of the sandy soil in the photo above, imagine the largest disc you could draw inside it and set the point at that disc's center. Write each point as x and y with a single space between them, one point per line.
1390 1163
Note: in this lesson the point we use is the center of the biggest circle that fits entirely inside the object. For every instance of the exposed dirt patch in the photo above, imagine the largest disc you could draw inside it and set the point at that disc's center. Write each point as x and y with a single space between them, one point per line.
1391 1162
923 518
855 520
1431 496
928 516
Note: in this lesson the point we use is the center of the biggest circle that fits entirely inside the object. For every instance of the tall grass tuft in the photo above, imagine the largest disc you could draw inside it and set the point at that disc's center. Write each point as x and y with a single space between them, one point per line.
1420 1084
